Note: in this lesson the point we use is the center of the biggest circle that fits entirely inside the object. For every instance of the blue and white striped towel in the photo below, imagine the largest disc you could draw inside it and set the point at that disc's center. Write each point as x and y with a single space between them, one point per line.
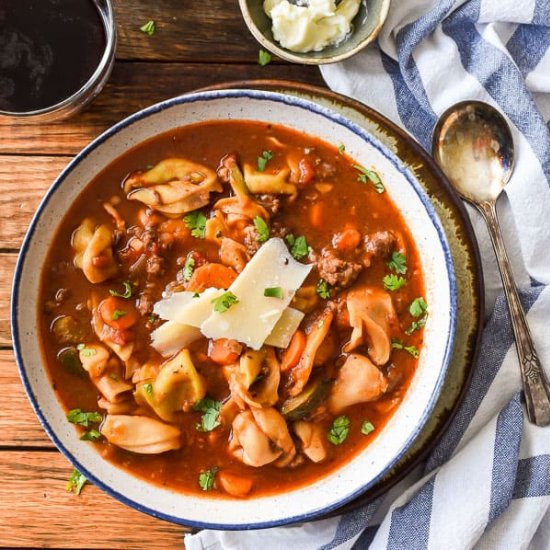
487 484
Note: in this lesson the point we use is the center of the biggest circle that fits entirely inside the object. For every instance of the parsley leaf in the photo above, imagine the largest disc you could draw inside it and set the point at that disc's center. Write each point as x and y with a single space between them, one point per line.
77 416
211 413
224 302
413 350
196 221
398 263
76 482
339 430
86 352
117 314
367 175
148 388
206 479
264 58
262 229
342 149
262 161
367 427
127 291
298 246
418 307
91 435
274 292
394 282
188 267
149 28
322 289
415 325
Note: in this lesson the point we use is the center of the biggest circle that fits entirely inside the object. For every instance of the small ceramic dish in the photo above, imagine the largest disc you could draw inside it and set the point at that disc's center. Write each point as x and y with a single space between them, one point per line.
365 28
367 468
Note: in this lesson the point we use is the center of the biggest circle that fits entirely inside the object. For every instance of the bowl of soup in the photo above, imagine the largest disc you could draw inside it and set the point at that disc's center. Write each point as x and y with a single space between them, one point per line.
234 309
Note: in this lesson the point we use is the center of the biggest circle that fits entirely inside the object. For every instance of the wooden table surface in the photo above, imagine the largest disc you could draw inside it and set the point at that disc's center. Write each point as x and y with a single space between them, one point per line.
196 44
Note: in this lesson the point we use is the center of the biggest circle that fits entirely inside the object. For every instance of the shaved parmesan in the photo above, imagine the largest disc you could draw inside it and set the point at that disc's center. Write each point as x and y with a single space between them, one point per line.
252 319
285 328
183 308
171 337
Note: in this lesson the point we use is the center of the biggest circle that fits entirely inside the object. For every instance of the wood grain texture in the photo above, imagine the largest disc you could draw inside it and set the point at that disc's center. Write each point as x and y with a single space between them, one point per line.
7 266
37 512
186 30
19 426
132 87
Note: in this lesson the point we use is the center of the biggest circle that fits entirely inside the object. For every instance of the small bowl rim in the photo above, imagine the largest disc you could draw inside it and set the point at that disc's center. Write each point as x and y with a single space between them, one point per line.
213 95
92 86
304 58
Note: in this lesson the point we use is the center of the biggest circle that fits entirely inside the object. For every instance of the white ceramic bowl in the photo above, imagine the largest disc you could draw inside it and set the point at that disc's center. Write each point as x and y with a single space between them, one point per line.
395 438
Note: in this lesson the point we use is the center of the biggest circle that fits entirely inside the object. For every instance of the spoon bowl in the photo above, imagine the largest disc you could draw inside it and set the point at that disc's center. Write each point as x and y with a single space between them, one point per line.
473 145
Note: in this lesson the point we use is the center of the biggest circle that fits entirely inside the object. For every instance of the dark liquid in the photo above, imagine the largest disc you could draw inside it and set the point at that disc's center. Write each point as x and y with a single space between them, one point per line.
48 50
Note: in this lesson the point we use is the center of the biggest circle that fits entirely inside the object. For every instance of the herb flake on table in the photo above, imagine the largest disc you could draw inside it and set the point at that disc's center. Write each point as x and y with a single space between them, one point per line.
224 302
196 221
77 416
211 414
262 229
339 430
263 159
149 28
206 479
274 292
127 291
264 57
76 482
394 282
398 263
366 176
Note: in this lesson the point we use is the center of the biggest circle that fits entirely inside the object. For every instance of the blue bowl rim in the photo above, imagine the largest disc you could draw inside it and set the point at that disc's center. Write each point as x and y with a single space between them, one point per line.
229 94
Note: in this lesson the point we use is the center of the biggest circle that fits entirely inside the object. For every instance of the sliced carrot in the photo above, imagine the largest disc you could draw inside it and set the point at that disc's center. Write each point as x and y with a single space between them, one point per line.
292 354
211 275
235 485
118 313
347 240
316 215
224 351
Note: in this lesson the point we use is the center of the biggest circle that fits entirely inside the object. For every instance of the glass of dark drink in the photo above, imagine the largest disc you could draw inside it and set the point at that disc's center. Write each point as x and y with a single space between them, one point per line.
55 56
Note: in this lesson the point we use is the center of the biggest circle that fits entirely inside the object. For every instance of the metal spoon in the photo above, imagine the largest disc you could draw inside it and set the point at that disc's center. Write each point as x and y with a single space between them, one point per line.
474 147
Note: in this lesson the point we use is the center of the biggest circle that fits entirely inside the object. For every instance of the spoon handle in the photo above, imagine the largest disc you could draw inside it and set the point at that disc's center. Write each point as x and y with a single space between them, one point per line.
535 383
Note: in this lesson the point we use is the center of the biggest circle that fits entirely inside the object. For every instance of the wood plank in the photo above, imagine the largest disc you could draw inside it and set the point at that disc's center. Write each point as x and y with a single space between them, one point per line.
132 87
24 181
37 512
210 30
7 266
19 426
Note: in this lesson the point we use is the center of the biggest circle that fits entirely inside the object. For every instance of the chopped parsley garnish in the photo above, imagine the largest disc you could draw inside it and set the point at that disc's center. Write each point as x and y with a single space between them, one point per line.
77 416
264 58
262 229
76 482
339 430
206 479
148 388
196 295
152 319
86 352
149 28
91 435
298 246
117 314
342 149
211 413
224 302
367 175
413 350
127 291
196 221
418 307
367 427
322 289
188 267
394 282
262 161
274 292
398 263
